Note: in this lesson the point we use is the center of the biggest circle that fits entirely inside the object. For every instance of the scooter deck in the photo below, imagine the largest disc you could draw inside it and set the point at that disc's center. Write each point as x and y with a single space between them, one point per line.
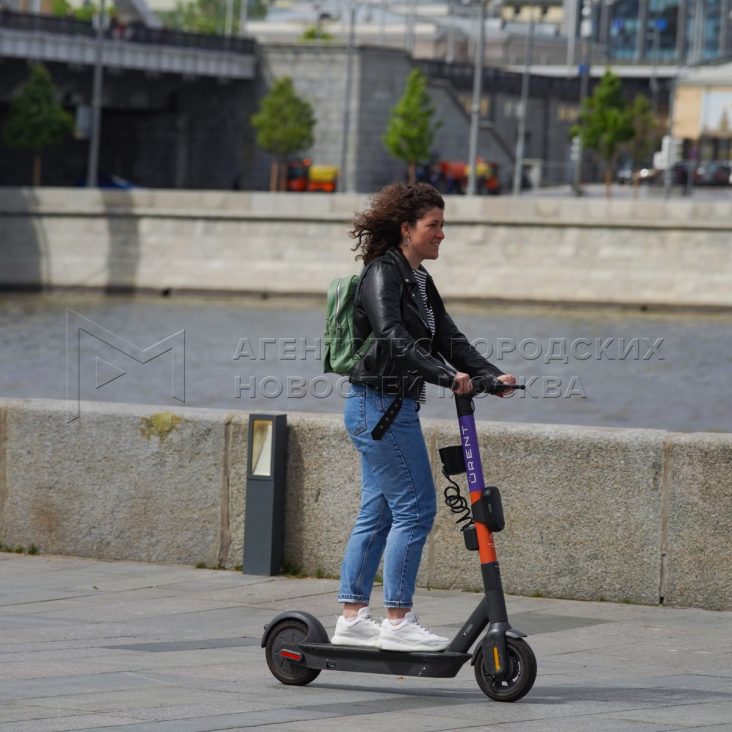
438 664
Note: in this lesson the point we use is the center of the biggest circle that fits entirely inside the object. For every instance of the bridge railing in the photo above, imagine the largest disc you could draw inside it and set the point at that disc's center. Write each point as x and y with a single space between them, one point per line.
132 32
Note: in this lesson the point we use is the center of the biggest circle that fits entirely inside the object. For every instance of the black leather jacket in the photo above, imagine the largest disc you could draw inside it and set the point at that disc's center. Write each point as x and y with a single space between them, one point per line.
404 352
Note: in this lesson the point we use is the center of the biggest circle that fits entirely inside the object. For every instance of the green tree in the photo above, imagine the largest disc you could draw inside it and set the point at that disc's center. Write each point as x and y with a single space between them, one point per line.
86 11
606 121
36 120
61 7
411 131
648 132
209 16
284 125
314 33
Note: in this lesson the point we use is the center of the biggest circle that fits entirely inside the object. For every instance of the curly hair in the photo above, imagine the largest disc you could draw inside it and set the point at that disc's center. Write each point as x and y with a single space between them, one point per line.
378 228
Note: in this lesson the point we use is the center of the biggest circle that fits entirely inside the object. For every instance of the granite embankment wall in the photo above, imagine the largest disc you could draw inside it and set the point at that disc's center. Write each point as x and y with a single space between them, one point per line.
638 252
592 513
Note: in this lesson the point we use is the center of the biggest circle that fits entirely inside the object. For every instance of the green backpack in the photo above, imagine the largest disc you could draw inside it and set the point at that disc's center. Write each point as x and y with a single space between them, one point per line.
340 356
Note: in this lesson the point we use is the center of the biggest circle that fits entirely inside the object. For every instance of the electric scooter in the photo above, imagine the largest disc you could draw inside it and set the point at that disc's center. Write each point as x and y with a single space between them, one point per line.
297 646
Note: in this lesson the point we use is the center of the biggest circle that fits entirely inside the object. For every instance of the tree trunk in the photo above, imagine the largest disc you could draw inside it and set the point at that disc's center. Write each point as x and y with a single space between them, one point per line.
608 181
274 176
412 173
37 170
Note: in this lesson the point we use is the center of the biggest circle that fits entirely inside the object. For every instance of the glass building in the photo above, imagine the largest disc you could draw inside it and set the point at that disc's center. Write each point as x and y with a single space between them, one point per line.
670 31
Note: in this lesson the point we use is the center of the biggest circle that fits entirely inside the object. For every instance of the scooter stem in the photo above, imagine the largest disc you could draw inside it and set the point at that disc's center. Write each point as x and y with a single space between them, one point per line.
494 642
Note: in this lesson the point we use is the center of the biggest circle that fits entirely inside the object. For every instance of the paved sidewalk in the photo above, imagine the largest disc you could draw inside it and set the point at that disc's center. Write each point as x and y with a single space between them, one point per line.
134 647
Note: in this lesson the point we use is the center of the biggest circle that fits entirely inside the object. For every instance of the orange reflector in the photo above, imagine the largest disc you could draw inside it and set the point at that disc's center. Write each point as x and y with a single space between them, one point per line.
496 660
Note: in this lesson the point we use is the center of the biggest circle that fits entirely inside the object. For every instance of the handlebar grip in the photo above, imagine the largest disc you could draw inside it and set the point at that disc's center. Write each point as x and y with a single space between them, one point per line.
491 385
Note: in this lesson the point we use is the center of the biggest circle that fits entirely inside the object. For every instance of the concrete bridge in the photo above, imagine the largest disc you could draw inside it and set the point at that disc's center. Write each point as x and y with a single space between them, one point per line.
48 38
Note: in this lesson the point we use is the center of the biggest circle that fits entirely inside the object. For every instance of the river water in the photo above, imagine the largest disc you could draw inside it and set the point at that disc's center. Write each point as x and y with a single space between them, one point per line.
588 367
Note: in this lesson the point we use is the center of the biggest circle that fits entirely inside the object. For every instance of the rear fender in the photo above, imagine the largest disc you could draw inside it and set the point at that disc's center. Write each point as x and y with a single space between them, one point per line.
316 631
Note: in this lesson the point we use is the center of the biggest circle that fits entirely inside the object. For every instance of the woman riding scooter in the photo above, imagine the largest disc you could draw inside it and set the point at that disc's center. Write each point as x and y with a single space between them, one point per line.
398 302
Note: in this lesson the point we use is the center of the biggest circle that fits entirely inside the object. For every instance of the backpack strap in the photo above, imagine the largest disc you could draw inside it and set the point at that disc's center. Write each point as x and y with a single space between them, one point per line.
389 416
393 409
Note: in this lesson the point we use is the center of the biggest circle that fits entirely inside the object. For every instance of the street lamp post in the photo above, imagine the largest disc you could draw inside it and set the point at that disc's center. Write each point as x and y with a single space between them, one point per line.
475 105
96 116
350 49
410 21
658 26
243 16
382 24
520 142
584 71
229 19
668 171
450 51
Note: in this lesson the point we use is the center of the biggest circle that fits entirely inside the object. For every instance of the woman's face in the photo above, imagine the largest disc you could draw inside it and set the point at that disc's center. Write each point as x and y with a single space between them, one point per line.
422 241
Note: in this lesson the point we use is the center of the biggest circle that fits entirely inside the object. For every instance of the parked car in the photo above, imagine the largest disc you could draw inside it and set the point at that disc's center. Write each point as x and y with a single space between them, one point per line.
626 175
713 174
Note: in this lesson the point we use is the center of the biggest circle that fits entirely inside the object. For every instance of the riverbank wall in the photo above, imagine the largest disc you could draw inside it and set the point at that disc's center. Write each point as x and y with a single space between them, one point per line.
630 252
624 515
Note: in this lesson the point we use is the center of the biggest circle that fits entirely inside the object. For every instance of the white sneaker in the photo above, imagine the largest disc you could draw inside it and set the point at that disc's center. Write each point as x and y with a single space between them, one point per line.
409 635
362 630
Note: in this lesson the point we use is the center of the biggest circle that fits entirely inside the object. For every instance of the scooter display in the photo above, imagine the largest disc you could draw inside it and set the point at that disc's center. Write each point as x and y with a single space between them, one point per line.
297 646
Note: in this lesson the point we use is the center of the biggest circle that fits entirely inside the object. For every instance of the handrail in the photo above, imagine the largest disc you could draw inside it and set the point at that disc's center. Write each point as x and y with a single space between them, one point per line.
128 32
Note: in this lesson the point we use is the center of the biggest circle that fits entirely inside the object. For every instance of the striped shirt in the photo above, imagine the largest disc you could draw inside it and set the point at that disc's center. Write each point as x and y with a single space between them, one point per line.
421 277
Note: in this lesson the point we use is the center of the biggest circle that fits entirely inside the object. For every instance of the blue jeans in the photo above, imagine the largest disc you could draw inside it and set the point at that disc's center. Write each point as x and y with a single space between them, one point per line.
398 503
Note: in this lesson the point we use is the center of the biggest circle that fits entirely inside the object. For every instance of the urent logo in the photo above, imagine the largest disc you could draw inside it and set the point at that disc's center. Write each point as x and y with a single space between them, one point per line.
77 324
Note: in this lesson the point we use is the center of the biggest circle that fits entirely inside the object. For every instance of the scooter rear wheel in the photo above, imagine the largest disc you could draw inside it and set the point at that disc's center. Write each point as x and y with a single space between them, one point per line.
288 634
521 675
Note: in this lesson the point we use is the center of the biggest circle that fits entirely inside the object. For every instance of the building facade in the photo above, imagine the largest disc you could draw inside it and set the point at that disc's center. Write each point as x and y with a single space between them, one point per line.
657 31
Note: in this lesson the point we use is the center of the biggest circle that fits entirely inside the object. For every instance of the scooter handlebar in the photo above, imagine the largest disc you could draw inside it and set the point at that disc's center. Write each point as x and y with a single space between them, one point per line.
491 385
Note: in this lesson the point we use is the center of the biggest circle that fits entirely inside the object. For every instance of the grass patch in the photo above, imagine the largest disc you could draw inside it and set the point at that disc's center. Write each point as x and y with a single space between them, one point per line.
292 571
32 549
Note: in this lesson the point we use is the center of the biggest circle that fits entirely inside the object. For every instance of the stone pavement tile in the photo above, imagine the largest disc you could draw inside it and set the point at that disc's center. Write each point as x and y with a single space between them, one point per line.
243 709
129 700
114 661
66 723
47 572
18 711
166 663
231 672
287 590
224 584
583 723
51 656
683 715
619 695
70 685
181 665
273 718
41 581
481 720
88 608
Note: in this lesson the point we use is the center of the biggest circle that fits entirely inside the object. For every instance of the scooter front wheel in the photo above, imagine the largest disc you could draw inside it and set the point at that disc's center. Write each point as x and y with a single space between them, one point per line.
521 674
287 635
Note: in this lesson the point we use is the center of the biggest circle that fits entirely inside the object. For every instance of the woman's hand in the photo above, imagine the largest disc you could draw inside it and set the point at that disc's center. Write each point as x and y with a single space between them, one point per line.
506 379
462 385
